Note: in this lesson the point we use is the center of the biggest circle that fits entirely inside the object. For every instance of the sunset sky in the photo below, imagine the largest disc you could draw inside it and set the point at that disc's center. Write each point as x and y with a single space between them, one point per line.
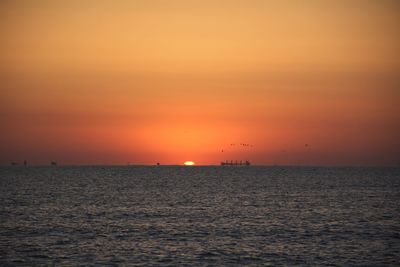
112 82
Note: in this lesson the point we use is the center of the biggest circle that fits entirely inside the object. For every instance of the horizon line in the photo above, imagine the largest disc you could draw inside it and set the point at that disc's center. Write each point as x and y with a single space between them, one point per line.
201 165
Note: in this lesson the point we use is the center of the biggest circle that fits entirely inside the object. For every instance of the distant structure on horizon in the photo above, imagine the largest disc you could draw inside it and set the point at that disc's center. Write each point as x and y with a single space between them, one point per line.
53 163
235 163
13 163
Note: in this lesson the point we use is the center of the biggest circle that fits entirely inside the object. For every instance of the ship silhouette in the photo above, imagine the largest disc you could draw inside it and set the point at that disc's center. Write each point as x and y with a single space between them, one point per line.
235 163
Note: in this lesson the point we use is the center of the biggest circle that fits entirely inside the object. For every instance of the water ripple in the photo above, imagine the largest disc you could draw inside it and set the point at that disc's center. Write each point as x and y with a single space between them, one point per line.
201 216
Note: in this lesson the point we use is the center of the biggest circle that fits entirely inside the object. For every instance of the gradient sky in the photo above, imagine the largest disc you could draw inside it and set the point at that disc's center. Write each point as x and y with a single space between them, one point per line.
111 82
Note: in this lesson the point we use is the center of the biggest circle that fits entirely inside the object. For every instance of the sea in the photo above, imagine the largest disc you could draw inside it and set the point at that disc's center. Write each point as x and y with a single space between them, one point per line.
199 216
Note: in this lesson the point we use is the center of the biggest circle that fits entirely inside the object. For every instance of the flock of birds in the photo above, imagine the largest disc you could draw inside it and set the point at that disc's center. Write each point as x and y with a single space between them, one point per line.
242 144
239 145
250 145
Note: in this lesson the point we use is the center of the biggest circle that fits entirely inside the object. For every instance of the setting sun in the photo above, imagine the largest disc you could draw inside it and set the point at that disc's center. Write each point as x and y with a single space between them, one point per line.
189 163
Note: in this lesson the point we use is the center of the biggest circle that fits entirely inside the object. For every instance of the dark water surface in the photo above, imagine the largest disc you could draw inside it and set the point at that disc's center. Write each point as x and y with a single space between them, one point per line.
199 216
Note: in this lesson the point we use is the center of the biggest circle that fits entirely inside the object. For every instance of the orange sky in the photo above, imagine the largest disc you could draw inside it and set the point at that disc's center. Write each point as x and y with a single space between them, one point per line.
111 82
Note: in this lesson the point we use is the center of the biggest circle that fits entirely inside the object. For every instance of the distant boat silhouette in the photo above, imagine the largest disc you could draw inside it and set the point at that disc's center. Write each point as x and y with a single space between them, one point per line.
235 163
53 163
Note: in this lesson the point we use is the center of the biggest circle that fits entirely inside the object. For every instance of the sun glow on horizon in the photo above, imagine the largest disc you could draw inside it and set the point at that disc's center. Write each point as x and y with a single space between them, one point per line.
159 81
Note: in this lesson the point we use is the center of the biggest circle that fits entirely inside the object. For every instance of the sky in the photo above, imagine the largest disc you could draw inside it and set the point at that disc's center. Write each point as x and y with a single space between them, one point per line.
117 82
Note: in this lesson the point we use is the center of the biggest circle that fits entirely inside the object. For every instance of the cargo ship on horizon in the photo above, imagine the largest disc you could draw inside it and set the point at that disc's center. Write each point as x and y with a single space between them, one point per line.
235 163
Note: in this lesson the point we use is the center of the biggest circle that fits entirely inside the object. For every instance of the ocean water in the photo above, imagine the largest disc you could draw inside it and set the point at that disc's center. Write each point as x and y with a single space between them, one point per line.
199 216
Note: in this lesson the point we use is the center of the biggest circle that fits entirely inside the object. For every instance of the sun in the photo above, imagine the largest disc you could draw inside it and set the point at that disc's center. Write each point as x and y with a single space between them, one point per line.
188 163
